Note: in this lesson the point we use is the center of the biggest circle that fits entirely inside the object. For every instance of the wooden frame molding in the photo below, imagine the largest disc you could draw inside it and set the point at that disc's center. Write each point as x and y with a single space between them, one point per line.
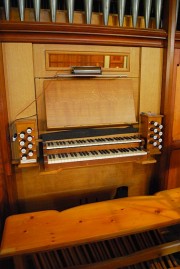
4 141
167 94
79 34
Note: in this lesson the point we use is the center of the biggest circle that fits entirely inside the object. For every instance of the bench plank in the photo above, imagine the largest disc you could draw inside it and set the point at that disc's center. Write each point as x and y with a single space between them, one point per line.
46 230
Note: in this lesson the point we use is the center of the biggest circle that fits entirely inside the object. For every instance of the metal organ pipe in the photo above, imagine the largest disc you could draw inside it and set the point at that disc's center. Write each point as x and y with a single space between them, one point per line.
7 9
177 9
70 10
135 10
106 9
53 8
121 11
158 10
21 4
88 4
37 6
147 11
118 7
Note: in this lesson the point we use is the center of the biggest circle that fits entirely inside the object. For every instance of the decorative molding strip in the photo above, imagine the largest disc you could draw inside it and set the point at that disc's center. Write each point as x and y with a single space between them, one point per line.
80 34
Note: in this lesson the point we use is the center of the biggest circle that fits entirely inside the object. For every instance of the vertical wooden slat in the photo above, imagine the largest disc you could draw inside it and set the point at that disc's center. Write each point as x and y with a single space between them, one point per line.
85 250
19 262
106 250
52 260
166 97
7 178
96 252
73 256
119 247
79 255
66 257
36 261
113 248
59 262
44 261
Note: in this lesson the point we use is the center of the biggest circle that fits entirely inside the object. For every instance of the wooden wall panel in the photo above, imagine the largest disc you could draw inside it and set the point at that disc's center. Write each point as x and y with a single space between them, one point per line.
40 61
59 189
173 180
176 121
18 63
3 197
151 79
89 102
7 187
174 170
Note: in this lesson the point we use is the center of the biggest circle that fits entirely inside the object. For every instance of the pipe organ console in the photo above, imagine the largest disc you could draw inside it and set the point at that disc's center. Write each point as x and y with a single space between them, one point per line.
75 86
82 104
106 138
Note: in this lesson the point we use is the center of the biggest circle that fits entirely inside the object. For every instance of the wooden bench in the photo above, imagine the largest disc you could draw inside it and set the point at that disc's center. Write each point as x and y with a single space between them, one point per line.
51 230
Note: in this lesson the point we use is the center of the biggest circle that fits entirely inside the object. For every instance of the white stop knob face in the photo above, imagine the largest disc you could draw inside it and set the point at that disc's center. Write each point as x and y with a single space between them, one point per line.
22 135
30 146
24 157
29 130
29 138
30 153
22 143
23 150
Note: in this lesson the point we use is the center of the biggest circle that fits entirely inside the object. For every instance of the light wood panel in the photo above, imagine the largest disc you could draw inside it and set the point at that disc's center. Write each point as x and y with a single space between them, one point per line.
8 191
3 181
174 170
18 64
3 196
40 60
151 79
89 102
176 121
42 85
59 189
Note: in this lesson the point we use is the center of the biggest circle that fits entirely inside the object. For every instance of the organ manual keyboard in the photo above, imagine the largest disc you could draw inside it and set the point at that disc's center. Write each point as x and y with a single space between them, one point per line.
97 122
91 150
